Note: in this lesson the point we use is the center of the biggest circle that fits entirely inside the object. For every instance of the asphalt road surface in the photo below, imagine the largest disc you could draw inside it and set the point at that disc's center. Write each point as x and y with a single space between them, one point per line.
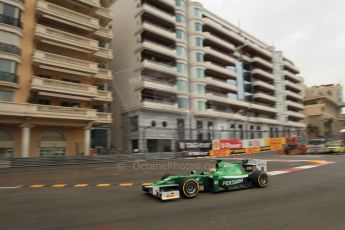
109 196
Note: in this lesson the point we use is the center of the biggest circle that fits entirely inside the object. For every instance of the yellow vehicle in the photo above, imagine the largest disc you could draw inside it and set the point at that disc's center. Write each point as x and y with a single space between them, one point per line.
335 147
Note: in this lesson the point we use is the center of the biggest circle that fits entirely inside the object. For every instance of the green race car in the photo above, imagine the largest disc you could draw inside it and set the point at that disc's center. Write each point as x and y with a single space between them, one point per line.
226 176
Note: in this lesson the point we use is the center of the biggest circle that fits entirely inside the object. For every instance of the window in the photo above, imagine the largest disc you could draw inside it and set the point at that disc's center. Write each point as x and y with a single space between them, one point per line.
201 89
181 67
8 70
199 57
9 14
182 103
164 124
153 123
200 73
8 66
199 42
179 3
180 18
70 104
6 95
201 106
181 51
198 26
43 101
197 13
182 85
133 123
180 34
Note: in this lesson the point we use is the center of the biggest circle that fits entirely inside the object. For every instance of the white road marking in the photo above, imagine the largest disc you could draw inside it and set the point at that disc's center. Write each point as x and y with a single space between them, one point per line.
7 187
274 173
307 166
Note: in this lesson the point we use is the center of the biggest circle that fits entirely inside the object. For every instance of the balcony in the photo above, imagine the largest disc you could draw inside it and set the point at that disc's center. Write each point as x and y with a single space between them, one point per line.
265 97
291 67
294 95
102 95
298 115
263 120
63 87
294 104
146 8
220 69
262 84
225 99
292 85
105 118
263 108
104 53
217 54
104 74
67 16
219 41
157 48
262 62
263 74
159 105
169 2
295 124
221 84
8 80
156 85
293 77
222 29
44 32
91 3
259 49
224 114
45 58
160 31
104 33
158 66
47 111
104 13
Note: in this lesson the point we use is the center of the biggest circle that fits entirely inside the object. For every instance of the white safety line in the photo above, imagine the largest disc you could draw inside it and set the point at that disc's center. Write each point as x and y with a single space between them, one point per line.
274 173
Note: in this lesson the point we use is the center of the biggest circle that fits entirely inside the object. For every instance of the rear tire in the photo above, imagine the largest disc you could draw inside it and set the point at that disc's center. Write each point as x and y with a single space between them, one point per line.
189 188
166 175
259 178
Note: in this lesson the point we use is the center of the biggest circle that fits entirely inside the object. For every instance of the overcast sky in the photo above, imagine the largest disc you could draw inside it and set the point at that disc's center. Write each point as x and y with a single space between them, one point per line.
309 32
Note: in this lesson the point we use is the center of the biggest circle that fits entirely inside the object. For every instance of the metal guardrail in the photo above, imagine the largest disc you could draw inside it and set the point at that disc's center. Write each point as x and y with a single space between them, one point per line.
6 163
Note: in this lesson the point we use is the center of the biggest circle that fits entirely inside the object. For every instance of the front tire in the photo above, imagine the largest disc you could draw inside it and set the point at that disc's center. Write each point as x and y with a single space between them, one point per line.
259 178
189 188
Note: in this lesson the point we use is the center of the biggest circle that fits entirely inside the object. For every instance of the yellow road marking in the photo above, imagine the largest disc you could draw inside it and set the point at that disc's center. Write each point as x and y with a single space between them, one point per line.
36 186
318 161
103 185
145 184
59 185
80 185
125 184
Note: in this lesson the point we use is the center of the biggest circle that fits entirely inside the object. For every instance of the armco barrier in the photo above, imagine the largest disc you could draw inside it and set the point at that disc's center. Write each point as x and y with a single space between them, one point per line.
81 160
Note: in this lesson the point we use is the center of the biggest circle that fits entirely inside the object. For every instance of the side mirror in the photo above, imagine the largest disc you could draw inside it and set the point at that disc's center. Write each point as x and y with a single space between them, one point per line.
193 172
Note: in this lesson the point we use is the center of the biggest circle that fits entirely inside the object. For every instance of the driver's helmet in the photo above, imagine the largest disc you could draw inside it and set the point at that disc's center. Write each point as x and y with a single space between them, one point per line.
211 170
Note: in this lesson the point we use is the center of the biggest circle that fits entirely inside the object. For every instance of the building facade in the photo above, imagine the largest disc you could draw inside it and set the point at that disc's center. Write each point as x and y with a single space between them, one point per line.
54 77
185 73
323 106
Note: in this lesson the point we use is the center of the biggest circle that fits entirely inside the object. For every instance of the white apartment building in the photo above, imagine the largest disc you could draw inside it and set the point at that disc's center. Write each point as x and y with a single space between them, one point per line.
182 72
